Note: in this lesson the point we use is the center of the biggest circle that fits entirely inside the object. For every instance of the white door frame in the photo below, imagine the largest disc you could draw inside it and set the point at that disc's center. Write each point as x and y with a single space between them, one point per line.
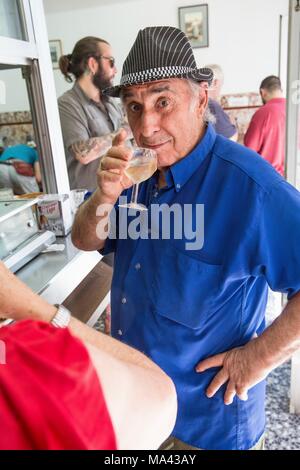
35 50
293 165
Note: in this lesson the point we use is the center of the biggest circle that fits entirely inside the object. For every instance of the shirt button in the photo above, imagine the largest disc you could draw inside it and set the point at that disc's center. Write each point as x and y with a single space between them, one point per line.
120 332
178 186
124 300
138 266
155 194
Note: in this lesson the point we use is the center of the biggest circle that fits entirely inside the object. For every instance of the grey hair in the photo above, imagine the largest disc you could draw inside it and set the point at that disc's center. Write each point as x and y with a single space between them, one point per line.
209 116
195 87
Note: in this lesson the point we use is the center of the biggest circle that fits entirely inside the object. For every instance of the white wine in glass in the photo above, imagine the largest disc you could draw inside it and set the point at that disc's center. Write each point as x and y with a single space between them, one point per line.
141 169
142 165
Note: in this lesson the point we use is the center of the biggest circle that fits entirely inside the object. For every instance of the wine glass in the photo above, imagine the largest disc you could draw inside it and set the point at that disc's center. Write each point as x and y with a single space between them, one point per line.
142 165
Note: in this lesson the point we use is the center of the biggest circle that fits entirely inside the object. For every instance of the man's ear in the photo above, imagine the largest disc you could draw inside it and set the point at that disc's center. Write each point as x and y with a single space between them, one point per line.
262 93
203 100
92 65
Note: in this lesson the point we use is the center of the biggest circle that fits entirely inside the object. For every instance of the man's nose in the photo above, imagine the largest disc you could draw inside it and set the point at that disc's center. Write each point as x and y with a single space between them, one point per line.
149 124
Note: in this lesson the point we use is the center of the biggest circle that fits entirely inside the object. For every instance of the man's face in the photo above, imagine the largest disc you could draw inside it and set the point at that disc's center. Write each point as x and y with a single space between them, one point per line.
106 72
166 116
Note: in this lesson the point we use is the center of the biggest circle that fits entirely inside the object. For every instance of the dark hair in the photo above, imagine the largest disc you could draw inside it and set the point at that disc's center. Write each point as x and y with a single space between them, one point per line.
271 83
76 63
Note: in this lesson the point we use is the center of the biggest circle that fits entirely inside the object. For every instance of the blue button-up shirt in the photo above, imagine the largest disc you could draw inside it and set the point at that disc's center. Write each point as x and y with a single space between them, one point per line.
181 306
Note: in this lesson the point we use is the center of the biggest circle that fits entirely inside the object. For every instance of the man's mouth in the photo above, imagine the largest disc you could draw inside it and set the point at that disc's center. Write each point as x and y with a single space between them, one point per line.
155 146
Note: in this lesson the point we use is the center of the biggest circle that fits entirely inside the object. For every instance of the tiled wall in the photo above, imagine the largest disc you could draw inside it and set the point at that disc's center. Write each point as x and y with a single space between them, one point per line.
240 108
16 127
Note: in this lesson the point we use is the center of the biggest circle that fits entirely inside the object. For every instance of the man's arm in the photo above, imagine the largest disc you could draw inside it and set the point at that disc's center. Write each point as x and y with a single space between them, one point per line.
18 302
94 213
147 397
143 409
86 151
278 260
76 133
246 366
85 233
37 172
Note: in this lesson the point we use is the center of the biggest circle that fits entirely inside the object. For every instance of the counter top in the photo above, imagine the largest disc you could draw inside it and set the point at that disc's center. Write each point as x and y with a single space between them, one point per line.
55 275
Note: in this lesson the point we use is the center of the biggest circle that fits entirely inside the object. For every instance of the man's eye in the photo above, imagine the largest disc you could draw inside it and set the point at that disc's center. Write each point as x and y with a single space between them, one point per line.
134 107
163 103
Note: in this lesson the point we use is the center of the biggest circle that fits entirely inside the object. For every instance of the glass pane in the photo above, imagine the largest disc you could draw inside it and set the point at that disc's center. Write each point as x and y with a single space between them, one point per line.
298 131
17 134
11 20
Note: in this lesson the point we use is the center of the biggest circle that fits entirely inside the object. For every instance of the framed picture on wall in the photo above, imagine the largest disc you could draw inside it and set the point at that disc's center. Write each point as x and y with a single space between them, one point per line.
55 51
193 21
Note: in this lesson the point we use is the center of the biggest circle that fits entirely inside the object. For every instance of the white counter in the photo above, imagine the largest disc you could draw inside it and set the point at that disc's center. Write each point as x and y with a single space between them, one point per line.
55 275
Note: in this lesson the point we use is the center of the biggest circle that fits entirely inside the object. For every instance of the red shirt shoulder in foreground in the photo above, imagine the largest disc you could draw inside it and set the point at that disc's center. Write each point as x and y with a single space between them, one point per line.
50 395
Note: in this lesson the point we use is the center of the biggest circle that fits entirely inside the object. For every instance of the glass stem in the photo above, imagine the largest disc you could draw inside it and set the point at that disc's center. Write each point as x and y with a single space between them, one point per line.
134 193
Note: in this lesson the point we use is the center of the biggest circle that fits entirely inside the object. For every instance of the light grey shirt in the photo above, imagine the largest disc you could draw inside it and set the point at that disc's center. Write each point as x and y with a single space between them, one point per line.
81 119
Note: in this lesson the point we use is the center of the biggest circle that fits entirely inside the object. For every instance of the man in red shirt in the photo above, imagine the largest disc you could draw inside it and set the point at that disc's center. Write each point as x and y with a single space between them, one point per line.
266 132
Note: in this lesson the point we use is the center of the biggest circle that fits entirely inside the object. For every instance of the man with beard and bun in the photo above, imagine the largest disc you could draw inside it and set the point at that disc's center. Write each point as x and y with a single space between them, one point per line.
89 120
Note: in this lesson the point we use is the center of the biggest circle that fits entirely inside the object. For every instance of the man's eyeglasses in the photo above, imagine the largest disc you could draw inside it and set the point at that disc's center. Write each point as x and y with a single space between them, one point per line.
112 60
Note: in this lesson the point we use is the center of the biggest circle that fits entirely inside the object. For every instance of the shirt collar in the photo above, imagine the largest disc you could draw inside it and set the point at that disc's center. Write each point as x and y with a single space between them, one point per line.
179 173
84 97
80 93
277 100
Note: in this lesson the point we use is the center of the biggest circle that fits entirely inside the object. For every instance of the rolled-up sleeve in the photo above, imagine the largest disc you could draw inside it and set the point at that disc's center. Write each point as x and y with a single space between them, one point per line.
279 239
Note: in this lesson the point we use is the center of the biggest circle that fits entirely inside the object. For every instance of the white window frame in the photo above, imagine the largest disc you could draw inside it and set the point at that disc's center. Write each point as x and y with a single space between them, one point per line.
292 108
292 165
17 50
35 51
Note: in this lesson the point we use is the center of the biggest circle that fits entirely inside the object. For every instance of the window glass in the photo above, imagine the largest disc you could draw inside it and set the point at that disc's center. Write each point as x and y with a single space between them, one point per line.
11 20
297 95
18 136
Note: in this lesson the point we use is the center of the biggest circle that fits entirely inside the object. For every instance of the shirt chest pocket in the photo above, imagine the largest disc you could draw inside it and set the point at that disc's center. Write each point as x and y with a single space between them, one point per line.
185 289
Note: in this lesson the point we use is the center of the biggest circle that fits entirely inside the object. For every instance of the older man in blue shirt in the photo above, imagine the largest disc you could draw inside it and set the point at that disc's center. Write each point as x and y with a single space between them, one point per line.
196 309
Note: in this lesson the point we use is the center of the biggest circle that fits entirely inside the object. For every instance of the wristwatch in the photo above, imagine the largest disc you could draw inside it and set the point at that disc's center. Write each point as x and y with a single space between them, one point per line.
62 317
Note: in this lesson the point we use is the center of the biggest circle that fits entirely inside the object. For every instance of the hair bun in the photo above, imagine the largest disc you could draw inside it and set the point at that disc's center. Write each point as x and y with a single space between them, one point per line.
65 65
